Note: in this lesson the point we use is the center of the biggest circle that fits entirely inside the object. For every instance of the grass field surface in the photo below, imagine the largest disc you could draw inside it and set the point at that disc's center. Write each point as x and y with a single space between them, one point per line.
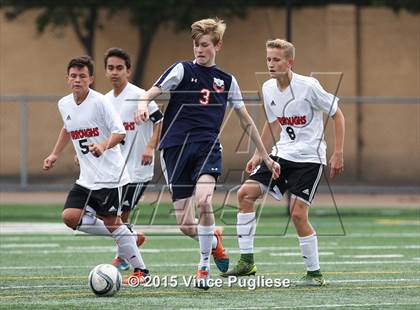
370 258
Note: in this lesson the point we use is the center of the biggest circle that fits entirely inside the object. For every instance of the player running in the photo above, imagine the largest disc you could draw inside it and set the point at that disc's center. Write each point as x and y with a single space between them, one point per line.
96 131
191 152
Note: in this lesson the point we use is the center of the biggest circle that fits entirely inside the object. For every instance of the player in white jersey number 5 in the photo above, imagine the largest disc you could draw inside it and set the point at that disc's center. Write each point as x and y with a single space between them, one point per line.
96 130
295 104
140 141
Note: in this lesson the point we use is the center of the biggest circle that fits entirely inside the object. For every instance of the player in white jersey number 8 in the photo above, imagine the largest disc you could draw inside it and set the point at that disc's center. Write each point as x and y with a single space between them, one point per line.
295 104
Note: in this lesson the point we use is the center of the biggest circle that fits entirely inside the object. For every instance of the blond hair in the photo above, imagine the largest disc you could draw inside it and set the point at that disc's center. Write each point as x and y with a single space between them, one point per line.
286 46
212 26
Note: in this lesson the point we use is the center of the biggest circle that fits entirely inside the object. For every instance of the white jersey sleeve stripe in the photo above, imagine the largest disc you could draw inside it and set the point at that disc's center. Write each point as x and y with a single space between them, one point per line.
235 99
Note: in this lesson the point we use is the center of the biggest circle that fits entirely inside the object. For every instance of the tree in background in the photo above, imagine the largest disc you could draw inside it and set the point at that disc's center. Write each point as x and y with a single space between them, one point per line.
81 16
149 15
146 15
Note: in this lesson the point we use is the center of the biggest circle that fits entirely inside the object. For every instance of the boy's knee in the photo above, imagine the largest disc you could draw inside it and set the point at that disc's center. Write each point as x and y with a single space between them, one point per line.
71 218
299 216
246 198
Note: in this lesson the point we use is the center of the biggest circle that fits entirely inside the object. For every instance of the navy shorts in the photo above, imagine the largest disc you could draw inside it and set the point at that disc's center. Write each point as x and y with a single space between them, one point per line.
104 201
184 164
300 179
132 194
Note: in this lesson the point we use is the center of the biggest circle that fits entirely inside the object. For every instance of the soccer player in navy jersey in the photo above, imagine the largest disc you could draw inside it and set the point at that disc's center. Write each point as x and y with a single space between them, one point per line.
191 152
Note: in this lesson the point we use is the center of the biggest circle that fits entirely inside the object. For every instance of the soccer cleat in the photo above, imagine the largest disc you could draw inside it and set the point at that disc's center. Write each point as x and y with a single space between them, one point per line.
241 269
309 280
202 278
120 263
221 258
137 278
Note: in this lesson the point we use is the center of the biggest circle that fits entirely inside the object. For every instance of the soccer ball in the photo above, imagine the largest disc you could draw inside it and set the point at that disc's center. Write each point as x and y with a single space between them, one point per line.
105 280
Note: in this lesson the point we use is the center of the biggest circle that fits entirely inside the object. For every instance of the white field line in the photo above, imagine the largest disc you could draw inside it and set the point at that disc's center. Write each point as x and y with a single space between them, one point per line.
28 245
373 280
384 235
373 256
111 248
24 228
193 249
415 281
170 265
296 254
108 249
58 228
380 247
99 249
167 234
24 287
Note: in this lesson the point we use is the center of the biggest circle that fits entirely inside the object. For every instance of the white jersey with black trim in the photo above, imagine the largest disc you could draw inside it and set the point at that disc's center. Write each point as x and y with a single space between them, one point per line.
138 136
93 121
299 110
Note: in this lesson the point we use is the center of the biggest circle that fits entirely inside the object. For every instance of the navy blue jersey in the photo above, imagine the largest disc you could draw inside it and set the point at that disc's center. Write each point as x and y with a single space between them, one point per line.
198 99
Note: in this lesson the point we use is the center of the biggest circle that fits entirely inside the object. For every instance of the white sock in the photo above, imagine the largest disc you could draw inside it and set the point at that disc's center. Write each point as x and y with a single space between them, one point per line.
213 241
119 254
127 246
205 237
309 249
245 229
90 224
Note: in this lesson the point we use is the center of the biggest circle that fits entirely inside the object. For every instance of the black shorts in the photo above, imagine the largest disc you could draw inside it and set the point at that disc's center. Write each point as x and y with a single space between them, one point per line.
300 179
104 201
132 194
184 164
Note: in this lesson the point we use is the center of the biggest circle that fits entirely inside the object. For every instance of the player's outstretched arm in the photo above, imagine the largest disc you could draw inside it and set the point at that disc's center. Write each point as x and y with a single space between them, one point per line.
142 113
62 140
248 125
337 160
97 149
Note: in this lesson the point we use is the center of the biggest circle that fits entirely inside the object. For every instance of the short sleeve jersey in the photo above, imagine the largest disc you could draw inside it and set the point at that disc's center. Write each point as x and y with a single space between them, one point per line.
299 110
199 96
93 121
137 136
